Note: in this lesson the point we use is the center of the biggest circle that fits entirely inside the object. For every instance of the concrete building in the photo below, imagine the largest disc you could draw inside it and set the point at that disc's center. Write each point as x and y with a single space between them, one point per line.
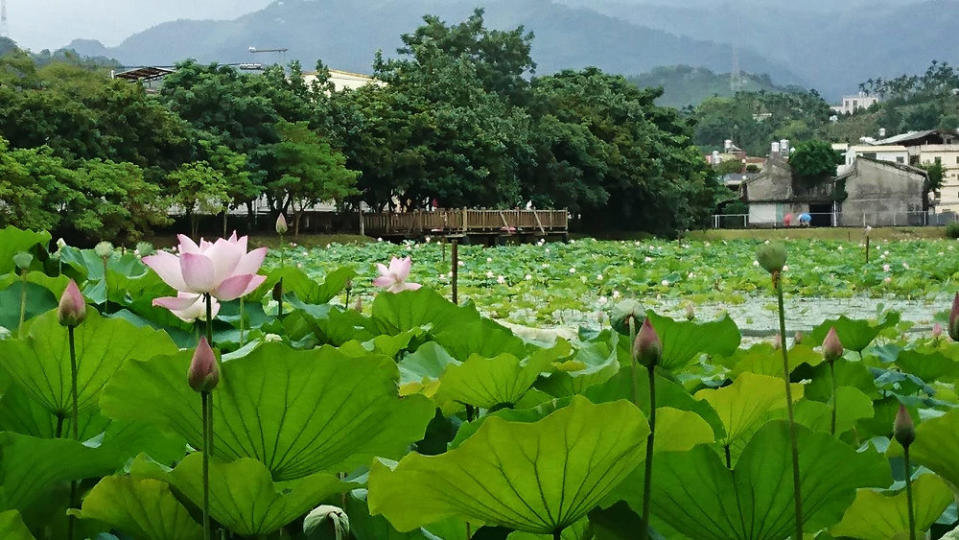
342 80
948 156
851 104
869 192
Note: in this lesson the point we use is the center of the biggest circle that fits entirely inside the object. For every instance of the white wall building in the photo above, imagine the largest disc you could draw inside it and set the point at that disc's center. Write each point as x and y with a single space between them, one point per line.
853 103
342 80
948 156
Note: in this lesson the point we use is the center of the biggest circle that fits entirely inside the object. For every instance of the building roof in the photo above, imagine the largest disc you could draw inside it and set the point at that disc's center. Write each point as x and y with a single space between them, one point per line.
911 138
144 73
901 166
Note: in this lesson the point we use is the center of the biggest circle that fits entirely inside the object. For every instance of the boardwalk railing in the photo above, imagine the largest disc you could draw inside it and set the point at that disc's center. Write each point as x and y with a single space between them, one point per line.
841 219
467 221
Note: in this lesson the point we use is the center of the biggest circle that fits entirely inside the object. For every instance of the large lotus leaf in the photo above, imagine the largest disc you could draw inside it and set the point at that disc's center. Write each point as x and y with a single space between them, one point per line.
535 477
594 363
298 412
12 526
764 359
29 466
679 431
875 515
848 373
40 362
54 284
295 281
483 337
421 370
745 404
668 394
243 496
363 526
683 341
38 300
937 445
491 382
577 531
21 413
695 492
855 334
143 508
930 366
90 265
853 405
14 240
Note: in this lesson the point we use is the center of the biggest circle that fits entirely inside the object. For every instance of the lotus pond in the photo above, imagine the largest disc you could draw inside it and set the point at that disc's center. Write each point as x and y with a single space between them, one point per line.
416 418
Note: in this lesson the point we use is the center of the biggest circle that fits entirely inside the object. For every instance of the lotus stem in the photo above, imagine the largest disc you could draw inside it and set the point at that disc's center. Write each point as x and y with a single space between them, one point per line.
74 427
205 406
867 249
23 302
835 404
558 535
912 517
209 317
729 457
632 364
58 432
794 447
648 477
242 322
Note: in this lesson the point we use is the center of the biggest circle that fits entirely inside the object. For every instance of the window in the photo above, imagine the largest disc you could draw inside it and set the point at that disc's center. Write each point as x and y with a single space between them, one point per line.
900 159
957 160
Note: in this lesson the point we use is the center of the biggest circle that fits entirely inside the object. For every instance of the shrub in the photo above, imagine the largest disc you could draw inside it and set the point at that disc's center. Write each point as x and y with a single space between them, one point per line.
952 230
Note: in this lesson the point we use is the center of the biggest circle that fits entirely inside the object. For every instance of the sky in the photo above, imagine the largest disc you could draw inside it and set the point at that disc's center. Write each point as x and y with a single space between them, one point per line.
51 24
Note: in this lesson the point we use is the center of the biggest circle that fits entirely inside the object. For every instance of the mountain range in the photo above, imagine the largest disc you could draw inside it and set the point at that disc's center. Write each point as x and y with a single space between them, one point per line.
812 47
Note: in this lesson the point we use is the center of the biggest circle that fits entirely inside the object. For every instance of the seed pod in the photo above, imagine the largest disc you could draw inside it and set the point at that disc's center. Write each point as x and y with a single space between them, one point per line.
104 250
23 260
623 312
772 257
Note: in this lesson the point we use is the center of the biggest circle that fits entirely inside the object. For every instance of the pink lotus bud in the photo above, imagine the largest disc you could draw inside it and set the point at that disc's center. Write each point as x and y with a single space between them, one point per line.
903 429
647 349
937 331
73 308
831 346
954 319
797 339
204 373
777 341
690 312
281 226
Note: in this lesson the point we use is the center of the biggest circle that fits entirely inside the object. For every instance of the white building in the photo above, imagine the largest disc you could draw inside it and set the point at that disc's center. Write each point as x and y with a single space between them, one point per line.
342 80
948 156
891 153
853 103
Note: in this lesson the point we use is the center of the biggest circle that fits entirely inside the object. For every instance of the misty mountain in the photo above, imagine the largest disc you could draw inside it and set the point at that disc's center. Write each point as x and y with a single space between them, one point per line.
346 33
833 49
687 85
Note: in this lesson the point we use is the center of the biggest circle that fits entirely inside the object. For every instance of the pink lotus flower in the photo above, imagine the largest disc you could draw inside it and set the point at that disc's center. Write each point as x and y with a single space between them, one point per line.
222 269
196 311
393 279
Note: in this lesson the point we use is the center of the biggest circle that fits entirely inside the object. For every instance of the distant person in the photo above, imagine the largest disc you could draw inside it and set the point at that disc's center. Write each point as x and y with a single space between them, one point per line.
805 219
788 219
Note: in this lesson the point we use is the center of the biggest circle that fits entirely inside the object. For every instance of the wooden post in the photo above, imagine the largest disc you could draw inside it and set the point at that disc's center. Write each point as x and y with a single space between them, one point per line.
465 225
362 224
444 248
455 258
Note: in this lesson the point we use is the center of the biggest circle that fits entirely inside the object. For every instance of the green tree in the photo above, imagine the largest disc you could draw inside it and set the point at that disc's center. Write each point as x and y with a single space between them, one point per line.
199 189
813 162
310 172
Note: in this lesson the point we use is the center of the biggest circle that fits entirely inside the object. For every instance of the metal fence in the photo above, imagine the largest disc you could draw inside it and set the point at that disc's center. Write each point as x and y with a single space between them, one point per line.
840 219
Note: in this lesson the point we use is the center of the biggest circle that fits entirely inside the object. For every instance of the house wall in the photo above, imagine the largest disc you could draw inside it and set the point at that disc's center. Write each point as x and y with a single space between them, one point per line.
885 194
891 153
948 155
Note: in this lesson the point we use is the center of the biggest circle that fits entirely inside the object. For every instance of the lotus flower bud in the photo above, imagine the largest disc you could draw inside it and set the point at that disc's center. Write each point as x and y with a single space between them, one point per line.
145 249
204 373
797 339
23 260
349 285
831 346
623 312
61 243
868 230
104 250
777 341
954 319
936 331
690 312
903 429
73 308
326 522
278 291
772 257
281 226
647 349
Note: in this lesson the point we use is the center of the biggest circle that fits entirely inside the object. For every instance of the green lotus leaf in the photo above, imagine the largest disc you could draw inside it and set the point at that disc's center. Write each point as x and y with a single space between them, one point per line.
143 508
421 370
40 362
848 373
855 334
937 445
491 382
594 363
90 265
853 406
243 496
363 526
537 477
31 466
876 515
299 412
679 431
21 413
14 240
296 282
745 404
764 359
38 300
700 497
576 531
12 526
684 341
931 366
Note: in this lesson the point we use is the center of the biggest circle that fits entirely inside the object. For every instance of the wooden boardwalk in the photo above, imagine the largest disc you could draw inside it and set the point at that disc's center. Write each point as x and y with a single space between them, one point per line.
442 222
